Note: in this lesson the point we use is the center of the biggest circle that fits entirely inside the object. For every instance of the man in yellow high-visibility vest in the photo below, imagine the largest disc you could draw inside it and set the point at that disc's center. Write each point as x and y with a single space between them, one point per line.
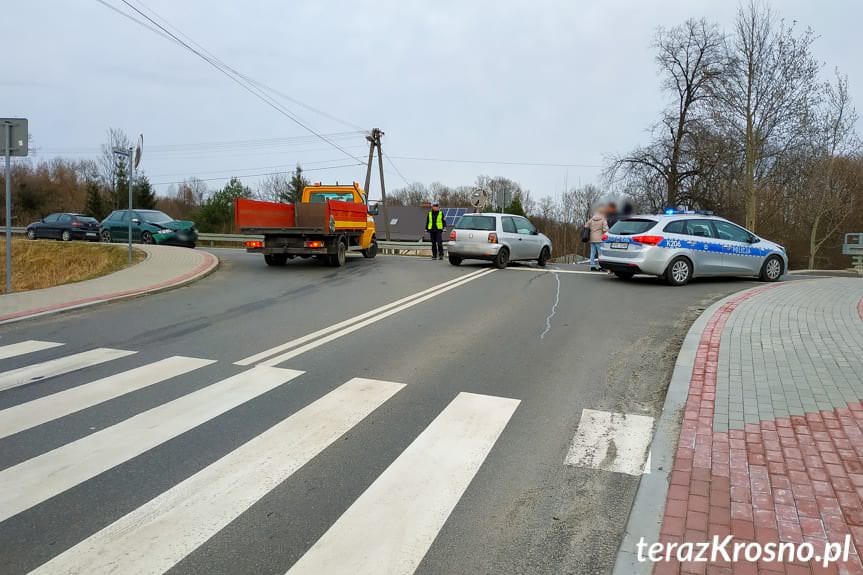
435 224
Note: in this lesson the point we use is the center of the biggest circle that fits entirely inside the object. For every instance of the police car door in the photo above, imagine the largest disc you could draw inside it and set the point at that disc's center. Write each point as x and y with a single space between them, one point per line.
737 252
706 250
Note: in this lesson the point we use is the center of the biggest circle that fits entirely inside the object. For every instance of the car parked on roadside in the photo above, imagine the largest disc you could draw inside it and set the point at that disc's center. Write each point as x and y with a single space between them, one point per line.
680 246
148 227
64 226
499 238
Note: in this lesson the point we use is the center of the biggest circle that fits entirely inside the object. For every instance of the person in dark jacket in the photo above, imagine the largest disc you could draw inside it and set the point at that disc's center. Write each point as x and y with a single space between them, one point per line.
435 224
611 214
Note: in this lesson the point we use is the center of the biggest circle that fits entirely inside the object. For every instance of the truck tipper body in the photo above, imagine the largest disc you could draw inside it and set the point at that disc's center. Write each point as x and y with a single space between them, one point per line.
326 222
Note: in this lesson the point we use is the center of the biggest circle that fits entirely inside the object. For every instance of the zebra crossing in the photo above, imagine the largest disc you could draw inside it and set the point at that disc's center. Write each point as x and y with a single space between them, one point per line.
387 529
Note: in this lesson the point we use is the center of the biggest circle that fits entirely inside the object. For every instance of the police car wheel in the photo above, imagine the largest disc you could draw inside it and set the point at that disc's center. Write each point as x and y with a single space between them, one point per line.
679 272
624 275
455 260
771 270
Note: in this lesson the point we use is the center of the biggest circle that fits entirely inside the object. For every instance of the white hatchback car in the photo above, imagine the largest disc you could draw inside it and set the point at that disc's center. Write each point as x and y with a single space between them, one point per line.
499 238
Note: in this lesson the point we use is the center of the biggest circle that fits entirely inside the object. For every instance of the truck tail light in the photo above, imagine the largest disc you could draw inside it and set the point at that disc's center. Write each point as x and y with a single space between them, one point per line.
647 240
492 238
254 244
314 244
452 236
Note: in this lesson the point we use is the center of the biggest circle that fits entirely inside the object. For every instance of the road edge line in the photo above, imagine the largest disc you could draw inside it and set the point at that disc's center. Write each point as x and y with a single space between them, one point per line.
202 270
648 508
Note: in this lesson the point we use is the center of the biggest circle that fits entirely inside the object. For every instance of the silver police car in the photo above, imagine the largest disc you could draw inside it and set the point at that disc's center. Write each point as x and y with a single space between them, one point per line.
680 246
499 238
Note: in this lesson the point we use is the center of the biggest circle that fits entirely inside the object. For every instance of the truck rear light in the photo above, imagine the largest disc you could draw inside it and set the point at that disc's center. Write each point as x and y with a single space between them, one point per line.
452 236
254 244
647 240
492 238
314 244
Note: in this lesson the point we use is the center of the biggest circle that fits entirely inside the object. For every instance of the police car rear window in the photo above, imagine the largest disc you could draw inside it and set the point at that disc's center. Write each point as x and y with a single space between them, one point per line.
483 223
631 226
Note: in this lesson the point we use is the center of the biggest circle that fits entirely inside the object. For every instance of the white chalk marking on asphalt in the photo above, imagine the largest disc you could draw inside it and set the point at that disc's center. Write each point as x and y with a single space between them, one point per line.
615 442
391 526
160 533
29 346
553 309
354 327
647 464
60 404
44 476
59 366
322 332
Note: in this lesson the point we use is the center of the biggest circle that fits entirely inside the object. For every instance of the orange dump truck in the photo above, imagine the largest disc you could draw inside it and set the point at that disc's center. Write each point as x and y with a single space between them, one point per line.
327 222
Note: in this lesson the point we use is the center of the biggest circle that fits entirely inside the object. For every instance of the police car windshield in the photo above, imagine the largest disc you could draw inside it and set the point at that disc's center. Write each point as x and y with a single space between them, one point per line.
631 226
483 223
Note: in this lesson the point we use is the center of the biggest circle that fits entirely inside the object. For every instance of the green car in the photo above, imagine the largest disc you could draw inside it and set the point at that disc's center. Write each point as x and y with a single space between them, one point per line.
148 227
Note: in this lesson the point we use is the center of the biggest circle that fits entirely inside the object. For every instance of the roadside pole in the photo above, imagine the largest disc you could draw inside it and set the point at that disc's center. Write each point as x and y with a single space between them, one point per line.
7 128
131 179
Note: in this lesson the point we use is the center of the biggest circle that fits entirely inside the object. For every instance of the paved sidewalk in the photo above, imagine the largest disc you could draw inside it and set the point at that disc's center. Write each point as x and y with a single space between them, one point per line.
165 267
771 444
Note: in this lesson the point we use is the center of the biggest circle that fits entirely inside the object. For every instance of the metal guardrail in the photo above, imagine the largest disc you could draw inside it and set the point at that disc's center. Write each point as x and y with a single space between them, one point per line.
213 239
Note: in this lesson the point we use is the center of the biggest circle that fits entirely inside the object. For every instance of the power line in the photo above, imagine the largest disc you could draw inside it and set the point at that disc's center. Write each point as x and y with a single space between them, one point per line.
235 170
402 176
236 77
255 175
504 163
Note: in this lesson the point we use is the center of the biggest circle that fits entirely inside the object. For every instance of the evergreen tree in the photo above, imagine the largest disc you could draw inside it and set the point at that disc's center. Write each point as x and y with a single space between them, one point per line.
297 184
515 206
95 204
216 215
143 195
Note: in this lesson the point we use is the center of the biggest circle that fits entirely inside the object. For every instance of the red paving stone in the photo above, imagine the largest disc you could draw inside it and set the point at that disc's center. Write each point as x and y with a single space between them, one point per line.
793 479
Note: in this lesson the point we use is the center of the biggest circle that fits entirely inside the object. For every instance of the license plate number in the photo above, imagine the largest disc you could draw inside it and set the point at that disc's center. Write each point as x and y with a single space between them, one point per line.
91 234
619 245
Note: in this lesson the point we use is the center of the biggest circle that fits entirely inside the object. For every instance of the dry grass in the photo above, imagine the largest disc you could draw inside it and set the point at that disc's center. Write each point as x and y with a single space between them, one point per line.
45 263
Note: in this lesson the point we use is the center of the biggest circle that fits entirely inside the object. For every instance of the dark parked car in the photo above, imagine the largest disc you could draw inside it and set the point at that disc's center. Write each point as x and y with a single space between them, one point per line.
65 226
148 227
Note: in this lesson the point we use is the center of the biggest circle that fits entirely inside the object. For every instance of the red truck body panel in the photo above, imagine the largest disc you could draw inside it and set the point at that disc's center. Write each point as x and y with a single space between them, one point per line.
259 215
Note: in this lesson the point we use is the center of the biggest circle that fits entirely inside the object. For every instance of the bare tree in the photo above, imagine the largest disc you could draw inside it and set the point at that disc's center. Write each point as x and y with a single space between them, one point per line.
690 60
274 188
107 161
832 184
765 94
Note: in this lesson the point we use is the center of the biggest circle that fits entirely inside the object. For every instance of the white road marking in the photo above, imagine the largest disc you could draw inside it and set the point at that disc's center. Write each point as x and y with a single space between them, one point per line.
391 526
611 441
29 346
44 476
157 535
354 327
335 327
544 270
59 366
54 406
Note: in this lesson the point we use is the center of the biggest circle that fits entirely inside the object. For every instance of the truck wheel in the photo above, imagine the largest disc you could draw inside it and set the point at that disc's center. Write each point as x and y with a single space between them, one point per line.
276 259
372 251
338 259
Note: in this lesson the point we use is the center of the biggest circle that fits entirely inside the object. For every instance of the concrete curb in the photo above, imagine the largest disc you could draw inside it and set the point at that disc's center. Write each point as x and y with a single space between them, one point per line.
205 268
648 509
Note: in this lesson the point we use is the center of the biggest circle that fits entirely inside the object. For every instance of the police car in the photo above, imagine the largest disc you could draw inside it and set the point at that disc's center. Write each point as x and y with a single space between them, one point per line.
678 246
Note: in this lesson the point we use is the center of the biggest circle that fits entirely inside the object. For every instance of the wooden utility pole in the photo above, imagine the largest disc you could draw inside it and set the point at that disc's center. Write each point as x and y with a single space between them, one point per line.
374 139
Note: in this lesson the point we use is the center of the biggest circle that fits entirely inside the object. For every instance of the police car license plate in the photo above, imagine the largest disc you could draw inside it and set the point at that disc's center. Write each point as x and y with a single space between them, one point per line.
619 245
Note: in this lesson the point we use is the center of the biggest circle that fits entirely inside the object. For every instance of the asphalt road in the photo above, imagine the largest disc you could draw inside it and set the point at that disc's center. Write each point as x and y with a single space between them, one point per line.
460 470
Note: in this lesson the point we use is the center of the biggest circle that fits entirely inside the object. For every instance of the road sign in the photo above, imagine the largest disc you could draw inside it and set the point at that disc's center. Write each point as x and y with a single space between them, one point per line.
139 149
18 137
15 143
853 245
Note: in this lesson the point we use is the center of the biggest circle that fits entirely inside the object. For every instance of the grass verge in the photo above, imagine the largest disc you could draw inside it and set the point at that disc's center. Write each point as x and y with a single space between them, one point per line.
45 263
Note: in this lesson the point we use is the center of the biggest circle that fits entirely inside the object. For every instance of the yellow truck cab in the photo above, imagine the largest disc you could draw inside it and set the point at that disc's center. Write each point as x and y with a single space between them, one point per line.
327 222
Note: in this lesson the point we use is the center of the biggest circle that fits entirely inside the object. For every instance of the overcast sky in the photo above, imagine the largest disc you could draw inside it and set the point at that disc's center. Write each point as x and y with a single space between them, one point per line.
540 81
